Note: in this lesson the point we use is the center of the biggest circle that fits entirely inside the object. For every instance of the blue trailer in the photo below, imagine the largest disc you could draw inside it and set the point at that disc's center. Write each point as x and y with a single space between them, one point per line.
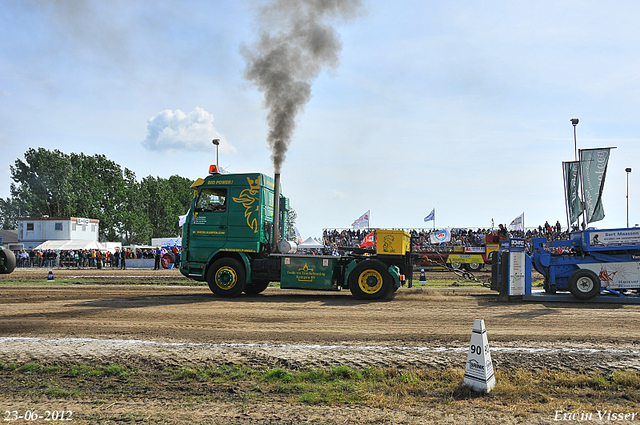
589 262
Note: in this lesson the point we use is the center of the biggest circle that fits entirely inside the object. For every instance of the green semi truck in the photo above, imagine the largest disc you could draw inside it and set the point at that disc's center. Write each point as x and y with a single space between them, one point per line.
231 240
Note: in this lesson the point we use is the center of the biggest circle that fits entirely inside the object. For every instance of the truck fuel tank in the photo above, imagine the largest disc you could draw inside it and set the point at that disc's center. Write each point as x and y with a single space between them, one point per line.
287 247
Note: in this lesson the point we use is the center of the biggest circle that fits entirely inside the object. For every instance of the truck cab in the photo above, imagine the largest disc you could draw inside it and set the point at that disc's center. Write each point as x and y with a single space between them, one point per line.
231 216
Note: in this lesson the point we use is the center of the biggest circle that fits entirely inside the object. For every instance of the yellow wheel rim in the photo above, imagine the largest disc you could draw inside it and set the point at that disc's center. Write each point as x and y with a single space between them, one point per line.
370 281
226 278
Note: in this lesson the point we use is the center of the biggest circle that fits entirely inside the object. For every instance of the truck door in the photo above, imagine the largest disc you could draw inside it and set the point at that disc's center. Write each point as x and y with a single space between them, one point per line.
246 215
209 224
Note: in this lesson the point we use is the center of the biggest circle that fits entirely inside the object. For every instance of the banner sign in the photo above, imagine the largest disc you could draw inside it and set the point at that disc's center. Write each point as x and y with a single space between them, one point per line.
440 236
478 249
516 271
517 245
593 166
615 275
572 189
624 238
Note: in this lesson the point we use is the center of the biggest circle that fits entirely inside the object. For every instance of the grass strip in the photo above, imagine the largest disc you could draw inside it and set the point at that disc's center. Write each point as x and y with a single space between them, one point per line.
531 391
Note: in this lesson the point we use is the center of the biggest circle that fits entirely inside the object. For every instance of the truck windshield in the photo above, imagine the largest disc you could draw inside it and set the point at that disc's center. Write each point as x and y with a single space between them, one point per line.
212 200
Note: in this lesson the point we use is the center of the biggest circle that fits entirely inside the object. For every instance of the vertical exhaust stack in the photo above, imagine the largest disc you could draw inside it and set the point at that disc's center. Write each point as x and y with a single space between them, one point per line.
276 214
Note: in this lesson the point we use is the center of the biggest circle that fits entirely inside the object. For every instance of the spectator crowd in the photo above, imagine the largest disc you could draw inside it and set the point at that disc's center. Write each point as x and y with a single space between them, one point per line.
334 239
82 258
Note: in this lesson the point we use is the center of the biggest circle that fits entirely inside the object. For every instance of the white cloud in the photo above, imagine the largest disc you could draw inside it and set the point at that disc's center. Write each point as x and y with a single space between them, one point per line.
339 194
175 130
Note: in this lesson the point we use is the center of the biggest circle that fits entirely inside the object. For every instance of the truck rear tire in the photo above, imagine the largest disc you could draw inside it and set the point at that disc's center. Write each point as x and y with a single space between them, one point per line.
456 266
584 284
256 288
370 280
473 267
7 261
226 278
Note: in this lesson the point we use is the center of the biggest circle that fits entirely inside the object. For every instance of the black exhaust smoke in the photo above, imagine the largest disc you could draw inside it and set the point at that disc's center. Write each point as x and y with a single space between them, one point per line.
296 41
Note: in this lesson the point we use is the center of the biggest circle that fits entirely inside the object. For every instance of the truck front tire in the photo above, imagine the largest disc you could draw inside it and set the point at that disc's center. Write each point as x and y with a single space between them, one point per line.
584 284
226 278
370 280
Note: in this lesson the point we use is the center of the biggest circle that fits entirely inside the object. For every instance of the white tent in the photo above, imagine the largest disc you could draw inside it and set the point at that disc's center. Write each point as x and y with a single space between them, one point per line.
164 241
310 243
65 245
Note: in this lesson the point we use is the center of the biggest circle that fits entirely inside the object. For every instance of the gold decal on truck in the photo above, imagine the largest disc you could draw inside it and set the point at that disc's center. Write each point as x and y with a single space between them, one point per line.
249 200
305 274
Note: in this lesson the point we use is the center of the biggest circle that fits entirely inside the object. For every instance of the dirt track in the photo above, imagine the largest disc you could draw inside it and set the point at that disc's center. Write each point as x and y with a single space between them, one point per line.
172 325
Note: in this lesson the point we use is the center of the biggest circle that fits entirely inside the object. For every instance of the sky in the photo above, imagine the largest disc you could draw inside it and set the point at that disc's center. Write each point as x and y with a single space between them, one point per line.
460 106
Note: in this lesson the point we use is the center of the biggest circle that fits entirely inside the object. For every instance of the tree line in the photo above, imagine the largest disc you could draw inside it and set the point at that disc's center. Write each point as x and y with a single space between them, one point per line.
57 184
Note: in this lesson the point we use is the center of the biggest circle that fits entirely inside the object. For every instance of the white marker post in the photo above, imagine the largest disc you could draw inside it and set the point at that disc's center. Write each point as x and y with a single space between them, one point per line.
478 374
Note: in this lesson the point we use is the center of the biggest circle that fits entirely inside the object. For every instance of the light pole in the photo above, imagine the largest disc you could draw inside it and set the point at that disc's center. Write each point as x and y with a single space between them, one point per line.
217 143
628 170
575 122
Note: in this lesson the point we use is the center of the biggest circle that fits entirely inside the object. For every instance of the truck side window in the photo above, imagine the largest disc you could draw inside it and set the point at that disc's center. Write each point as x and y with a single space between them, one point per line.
212 200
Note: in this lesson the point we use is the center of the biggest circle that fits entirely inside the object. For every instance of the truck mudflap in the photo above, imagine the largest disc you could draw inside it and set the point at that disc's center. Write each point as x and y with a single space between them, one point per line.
394 271
194 271
347 271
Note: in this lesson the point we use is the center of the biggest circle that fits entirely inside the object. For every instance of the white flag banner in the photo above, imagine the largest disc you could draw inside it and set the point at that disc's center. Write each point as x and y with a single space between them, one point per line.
362 222
183 218
441 236
517 223
593 168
